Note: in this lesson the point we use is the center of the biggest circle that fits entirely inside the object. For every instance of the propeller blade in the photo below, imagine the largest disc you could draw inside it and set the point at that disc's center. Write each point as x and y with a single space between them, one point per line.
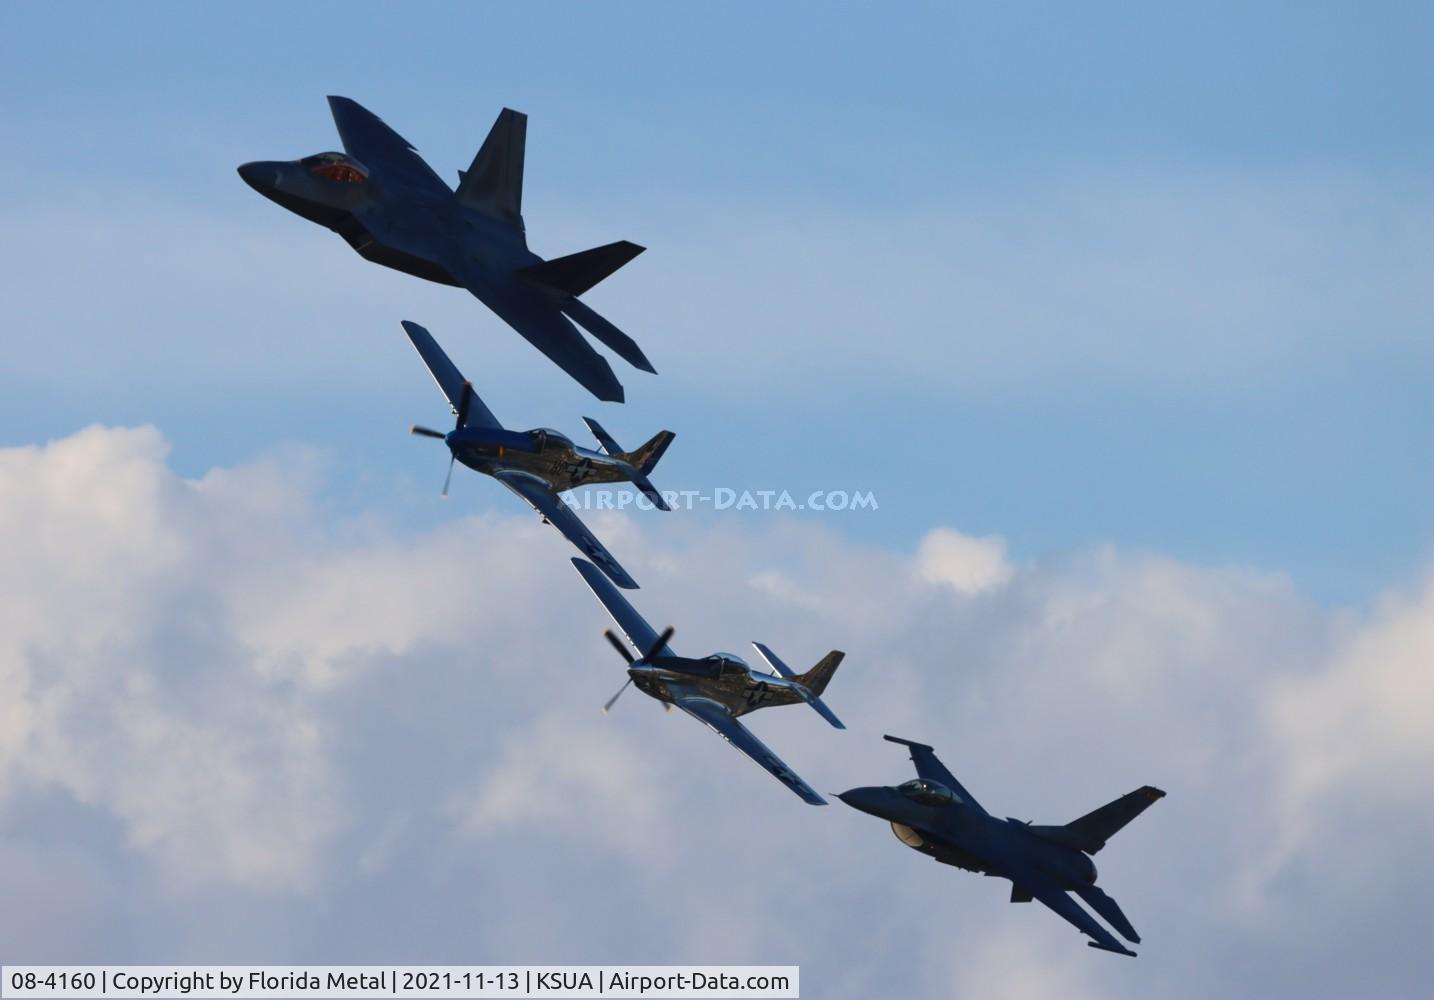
660 643
448 478
617 645
613 700
463 403
427 432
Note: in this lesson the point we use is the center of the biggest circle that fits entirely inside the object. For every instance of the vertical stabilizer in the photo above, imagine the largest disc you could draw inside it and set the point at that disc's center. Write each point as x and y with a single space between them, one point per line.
493 184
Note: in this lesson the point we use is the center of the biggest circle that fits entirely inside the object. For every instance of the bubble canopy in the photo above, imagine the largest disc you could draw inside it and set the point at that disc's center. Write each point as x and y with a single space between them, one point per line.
928 792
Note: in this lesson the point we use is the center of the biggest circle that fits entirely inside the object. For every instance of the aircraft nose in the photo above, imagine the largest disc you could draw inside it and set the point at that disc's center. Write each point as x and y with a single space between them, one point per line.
259 175
865 799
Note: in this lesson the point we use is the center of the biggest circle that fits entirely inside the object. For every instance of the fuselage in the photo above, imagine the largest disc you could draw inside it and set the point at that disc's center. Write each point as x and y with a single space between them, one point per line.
542 453
399 213
723 677
954 833
425 232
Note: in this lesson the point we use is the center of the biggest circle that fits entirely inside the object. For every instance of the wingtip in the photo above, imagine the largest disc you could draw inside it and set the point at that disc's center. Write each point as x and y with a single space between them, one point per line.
908 743
1117 950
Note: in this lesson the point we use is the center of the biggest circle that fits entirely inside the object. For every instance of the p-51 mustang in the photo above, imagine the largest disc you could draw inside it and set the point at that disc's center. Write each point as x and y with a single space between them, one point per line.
936 816
537 465
715 689
394 210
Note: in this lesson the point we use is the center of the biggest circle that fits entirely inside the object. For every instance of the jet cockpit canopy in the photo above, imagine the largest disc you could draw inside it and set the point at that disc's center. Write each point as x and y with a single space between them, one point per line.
928 792
336 167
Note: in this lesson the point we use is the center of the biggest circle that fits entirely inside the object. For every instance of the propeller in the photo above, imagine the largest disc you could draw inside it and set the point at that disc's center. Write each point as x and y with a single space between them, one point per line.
659 644
465 400
613 700
617 645
448 478
622 650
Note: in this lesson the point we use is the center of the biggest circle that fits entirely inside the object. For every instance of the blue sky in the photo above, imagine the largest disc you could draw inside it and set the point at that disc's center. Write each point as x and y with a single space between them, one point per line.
1122 314
790 167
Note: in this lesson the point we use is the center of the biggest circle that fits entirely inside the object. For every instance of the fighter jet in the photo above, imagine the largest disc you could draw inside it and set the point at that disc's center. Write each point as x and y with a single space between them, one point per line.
538 465
394 210
715 689
936 816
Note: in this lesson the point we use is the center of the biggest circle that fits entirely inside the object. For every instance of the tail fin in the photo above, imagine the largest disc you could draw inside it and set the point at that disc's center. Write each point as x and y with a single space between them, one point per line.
1091 831
645 458
814 681
1108 910
493 184
577 272
643 461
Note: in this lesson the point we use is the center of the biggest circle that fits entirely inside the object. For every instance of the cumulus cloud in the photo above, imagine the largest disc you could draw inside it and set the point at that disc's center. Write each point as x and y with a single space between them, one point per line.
274 737
970 565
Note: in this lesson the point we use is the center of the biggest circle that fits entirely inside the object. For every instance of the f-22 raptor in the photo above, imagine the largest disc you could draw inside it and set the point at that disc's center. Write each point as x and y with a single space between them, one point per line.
715 689
538 465
936 816
390 206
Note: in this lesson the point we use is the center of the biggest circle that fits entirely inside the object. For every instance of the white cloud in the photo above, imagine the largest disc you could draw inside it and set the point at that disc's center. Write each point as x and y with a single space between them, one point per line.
227 707
970 565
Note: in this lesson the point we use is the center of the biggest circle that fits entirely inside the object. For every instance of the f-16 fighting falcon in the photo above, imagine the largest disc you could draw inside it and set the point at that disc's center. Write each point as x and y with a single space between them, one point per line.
936 816
716 689
394 210
540 464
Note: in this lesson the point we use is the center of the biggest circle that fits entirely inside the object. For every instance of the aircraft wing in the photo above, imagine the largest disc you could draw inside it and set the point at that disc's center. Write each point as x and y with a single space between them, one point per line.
717 718
624 615
450 379
367 139
1039 887
927 766
561 516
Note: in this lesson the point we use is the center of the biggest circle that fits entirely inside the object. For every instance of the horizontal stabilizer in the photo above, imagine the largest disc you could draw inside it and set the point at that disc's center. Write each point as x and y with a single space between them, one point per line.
813 682
603 437
577 272
1092 830
1107 910
642 461
450 379
649 491
610 336
493 184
